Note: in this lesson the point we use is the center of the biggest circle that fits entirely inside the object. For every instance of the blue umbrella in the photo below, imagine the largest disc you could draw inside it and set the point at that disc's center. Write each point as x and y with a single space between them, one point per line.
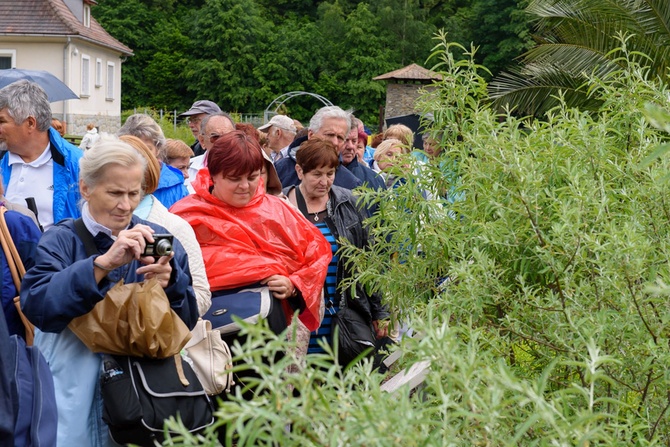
55 88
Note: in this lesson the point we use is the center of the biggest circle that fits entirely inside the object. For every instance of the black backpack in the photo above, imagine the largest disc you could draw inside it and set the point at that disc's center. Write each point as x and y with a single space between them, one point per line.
140 394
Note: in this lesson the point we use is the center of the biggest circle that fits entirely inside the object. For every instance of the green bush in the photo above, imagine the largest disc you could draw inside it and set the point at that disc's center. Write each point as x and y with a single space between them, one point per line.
541 294
181 132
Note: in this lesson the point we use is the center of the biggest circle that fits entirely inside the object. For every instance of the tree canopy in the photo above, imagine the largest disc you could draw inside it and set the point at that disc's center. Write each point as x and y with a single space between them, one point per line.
578 38
244 53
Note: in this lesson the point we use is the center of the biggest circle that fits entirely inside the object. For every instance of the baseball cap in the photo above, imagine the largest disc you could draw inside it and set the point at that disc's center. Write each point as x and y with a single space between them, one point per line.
202 106
281 121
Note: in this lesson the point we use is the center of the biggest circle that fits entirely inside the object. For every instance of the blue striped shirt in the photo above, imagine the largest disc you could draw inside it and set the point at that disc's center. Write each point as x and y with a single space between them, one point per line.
330 286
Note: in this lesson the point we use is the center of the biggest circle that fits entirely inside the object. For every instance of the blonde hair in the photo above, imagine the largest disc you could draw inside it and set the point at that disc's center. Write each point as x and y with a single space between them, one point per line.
388 144
109 150
153 170
400 132
177 149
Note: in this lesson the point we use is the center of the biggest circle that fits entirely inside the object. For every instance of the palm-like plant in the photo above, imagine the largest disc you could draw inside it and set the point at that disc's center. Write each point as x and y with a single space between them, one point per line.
577 38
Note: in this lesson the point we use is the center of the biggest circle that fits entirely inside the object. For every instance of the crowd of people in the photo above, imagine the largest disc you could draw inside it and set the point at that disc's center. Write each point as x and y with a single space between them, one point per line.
268 206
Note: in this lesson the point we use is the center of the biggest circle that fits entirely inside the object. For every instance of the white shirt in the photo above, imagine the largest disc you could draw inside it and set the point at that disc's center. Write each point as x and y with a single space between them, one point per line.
283 153
34 179
197 163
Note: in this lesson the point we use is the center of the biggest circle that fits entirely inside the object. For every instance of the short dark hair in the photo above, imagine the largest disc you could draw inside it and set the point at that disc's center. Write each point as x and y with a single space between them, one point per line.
315 153
235 153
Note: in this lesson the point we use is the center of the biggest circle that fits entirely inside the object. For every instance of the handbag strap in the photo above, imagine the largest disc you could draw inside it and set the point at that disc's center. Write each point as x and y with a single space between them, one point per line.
86 237
18 271
302 206
11 253
180 370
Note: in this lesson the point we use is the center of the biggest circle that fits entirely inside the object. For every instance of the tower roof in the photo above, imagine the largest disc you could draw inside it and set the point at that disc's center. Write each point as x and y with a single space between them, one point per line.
411 72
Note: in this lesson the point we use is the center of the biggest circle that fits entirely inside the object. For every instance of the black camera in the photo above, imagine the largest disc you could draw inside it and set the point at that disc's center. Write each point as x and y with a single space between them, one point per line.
161 246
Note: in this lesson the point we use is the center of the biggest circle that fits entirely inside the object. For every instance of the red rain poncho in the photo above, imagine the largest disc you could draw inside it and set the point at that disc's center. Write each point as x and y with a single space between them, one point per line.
242 246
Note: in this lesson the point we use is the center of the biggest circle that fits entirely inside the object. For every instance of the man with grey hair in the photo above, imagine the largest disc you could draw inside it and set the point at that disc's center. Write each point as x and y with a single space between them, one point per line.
328 123
212 128
39 164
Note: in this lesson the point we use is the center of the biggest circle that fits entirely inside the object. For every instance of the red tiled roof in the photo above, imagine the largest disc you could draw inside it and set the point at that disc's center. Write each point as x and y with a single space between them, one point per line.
411 72
52 18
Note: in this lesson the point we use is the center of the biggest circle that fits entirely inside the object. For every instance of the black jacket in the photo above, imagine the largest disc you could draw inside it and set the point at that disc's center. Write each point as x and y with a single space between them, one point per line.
345 220
197 149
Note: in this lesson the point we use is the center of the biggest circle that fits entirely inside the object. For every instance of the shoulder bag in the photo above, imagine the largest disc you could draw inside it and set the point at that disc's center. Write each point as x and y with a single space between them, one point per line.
249 304
353 336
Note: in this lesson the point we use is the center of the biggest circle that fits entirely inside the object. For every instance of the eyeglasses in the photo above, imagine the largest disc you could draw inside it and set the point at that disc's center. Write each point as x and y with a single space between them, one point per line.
194 120
213 137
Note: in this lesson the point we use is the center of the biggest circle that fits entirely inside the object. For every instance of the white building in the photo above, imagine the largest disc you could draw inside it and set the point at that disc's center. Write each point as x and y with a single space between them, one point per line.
60 36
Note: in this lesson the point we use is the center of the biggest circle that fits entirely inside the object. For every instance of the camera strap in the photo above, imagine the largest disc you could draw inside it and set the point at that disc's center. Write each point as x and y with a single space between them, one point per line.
86 237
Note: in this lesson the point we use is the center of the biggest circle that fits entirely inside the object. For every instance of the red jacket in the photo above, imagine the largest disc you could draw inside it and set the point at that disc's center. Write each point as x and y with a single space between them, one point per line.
242 246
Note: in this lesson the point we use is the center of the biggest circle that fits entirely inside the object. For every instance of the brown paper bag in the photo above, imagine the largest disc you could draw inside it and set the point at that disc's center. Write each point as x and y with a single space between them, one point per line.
133 319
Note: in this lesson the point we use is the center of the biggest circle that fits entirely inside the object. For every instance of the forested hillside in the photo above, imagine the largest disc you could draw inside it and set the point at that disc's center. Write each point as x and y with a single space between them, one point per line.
244 53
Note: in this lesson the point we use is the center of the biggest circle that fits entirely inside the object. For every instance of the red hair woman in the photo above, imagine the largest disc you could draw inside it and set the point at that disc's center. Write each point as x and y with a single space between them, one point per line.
248 236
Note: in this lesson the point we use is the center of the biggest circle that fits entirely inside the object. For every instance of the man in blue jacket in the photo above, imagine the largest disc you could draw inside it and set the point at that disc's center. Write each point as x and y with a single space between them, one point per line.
39 162
350 161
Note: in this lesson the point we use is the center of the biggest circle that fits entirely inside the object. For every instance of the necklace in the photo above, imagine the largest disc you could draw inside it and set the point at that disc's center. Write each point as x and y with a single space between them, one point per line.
315 215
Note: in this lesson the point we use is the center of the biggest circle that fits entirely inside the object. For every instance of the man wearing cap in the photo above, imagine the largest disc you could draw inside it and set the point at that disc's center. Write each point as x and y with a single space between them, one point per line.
195 114
281 132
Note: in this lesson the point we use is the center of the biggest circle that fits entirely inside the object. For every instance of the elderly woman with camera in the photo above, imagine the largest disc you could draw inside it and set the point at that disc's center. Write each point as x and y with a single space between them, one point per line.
66 282
151 209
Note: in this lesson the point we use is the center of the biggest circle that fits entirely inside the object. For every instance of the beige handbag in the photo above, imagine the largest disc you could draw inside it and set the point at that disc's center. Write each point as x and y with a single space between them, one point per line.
211 358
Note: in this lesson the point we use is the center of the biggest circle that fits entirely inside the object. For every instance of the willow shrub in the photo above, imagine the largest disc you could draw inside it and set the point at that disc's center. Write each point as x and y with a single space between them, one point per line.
542 294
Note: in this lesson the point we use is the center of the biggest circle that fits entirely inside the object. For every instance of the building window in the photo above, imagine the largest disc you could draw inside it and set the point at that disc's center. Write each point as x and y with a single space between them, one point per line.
98 73
7 58
87 16
110 81
85 75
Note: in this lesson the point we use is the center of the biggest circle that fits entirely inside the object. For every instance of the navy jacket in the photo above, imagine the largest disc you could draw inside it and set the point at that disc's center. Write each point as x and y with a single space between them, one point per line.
366 175
61 285
288 177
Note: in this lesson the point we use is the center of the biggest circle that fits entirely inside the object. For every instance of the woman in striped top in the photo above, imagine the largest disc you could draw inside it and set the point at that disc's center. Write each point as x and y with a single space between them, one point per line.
334 212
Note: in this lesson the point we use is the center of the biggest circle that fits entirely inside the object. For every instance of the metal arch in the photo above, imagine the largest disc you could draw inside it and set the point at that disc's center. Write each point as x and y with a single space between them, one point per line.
281 99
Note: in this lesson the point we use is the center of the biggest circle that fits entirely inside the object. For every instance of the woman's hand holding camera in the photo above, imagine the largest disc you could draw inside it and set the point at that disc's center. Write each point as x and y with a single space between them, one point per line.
129 246
161 270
